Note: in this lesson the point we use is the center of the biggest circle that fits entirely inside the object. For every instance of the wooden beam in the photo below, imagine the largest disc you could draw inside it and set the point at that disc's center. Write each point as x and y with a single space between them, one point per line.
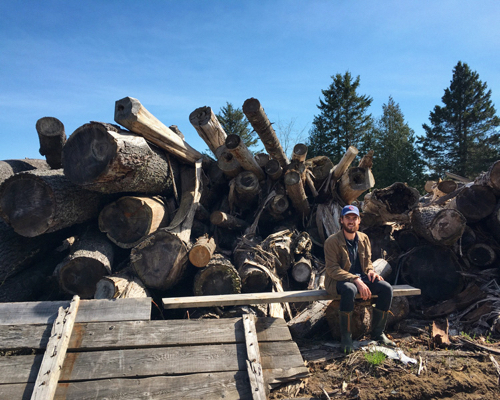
53 359
254 364
268 297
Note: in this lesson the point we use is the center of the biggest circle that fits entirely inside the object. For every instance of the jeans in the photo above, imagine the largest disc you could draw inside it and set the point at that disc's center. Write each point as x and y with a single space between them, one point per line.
348 291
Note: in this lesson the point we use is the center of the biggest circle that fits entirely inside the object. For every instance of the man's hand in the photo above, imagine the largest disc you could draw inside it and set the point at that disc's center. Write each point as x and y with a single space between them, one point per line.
372 275
363 290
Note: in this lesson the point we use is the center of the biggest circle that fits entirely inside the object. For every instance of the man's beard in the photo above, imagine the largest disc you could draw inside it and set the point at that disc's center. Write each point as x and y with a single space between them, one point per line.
348 229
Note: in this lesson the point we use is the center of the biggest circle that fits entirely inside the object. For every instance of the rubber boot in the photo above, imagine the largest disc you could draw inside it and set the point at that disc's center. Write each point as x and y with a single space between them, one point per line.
378 325
345 331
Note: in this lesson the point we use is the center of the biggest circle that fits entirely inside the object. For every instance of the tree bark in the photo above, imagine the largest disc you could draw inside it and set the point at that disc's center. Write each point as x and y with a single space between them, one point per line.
160 260
131 114
354 182
491 178
202 251
102 157
130 219
310 320
296 193
340 169
123 285
224 220
392 204
208 127
247 190
274 169
253 278
433 269
90 259
43 201
279 244
52 138
9 168
262 159
277 206
261 124
321 167
475 202
407 239
481 255
438 225
239 150
227 163
218 277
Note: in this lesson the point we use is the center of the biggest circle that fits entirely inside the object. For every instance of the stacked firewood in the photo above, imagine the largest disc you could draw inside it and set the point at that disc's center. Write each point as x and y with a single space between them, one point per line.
150 215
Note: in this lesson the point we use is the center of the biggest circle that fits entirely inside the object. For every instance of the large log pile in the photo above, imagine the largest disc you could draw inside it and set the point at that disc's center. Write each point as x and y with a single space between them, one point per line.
175 222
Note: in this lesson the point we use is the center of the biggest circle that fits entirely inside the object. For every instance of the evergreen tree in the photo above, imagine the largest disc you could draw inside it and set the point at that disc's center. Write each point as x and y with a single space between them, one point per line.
396 157
234 122
463 137
342 121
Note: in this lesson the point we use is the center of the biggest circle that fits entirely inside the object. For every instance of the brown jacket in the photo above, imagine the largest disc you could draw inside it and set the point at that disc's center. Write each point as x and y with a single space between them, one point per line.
337 259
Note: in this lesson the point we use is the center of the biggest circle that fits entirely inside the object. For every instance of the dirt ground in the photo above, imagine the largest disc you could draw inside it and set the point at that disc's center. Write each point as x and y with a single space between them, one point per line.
458 371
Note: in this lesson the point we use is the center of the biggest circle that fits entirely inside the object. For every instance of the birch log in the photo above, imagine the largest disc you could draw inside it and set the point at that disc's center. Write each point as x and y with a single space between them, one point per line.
296 192
208 127
246 159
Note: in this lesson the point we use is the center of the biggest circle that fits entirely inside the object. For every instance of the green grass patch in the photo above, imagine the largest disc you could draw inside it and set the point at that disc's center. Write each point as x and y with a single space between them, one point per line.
375 358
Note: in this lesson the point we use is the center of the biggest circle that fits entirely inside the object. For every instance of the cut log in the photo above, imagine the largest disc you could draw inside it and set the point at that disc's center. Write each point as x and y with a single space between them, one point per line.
310 320
277 206
247 190
310 183
354 182
481 255
253 278
301 270
224 220
491 178
262 159
475 202
392 204
90 259
382 267
433 269
227 163
102 157
261 124
130 219
382 242
296 193
438 225
468 237
340 169
202 251
492 223
218 277
9 168
429 186
299 152
52 138
407 239
279 244
131 114
464 299
123 285
208 127
43 201
246 159
274 169
321 167
160 260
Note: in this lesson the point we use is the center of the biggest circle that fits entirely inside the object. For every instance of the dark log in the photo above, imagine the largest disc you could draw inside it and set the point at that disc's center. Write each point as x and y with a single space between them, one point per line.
299 152
202 251
253 278
123 285
310 320
354 182
301 270
468 237
208 127
218 277
130 219
340 169
102 157
474 202
52 138
247 190
261 124
296 193
310 183
491 178
246 159
262 159
199 229
202 214
277 206
434 270
224 220
160 260
321 167
90 259
274 169
481 255
392 204
470 295
438 225
447 186
227 163
43 201
131 114
407 239
492 223
9 168
382 242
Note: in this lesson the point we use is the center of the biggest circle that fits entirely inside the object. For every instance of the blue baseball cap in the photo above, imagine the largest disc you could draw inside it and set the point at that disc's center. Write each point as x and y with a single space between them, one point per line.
350 210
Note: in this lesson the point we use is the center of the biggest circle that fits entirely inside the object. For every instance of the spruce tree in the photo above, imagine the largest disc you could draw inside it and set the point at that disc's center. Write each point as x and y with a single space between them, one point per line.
396 157
462 136
343 120
234 122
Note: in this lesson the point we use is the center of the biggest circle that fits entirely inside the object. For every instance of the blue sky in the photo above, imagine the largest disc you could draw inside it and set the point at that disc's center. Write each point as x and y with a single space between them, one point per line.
73 59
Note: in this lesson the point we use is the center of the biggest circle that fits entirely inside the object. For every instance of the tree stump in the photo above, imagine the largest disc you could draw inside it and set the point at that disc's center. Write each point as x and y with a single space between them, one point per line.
52 139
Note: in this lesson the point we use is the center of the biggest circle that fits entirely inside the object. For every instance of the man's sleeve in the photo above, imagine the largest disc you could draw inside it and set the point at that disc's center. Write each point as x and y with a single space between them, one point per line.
332 263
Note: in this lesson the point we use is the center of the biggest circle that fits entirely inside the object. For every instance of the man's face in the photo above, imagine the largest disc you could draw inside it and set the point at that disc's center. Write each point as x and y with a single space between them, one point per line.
350 223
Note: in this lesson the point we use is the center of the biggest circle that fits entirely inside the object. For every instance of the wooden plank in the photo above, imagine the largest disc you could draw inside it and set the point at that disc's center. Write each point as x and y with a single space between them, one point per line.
208 386
45 312
135 334
267 297
136 363
53 359
254 366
